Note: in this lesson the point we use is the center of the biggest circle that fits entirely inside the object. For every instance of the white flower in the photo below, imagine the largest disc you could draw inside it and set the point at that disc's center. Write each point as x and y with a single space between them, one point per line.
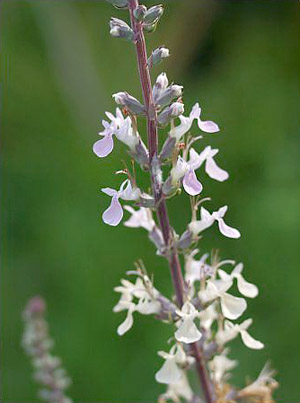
187 331
232 307
140 218
170 372
220 365
208 316
207 220
247 289
262 386
196 270
128 322
147 303
126 290
232 330
186 124
180 389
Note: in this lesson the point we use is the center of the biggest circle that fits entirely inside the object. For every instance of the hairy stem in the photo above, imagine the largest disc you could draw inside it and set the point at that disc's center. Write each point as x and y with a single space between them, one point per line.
161 207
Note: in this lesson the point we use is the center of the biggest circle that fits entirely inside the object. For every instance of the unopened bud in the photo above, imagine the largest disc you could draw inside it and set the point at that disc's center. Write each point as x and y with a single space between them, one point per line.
119 29
140 154
160 85
153 14
156 237
119 3
139 12
185 240
149 28
158 55
169 113
168 148
128 101
167 96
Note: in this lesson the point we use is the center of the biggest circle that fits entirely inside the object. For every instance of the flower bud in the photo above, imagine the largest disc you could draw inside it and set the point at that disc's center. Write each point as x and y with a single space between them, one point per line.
131 103
160 85
185 240
158 55
119 3
153 14
139 12
169 113
167 148
149 28
119 29
156 237
140 154
167 96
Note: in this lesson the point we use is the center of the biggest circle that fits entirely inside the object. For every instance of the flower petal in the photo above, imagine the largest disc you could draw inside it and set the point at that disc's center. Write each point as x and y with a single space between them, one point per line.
188 332
178 131
128 192
214 171
169 372
104 146
226 230
232 307
114 214
208 126
191 184
224 336
250 342
247 289
127 324
195 112
196 159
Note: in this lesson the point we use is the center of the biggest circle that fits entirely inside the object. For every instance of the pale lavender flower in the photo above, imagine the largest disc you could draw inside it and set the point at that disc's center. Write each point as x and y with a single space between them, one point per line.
114 214
207 220
211 167
141 218
183 170
186 124
186 170
104 147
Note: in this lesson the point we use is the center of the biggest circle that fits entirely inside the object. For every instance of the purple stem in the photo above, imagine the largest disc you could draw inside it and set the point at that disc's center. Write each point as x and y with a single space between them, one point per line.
161 207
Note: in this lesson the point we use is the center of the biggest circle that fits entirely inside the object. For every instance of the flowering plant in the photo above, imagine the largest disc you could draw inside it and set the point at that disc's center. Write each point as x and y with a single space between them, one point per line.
203 309
204 314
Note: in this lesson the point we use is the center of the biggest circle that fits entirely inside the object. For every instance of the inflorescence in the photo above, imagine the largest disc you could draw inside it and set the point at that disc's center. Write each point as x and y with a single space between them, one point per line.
204 311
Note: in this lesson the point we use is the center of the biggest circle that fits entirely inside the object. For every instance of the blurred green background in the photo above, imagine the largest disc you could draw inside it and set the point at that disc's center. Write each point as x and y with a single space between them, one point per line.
59 69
